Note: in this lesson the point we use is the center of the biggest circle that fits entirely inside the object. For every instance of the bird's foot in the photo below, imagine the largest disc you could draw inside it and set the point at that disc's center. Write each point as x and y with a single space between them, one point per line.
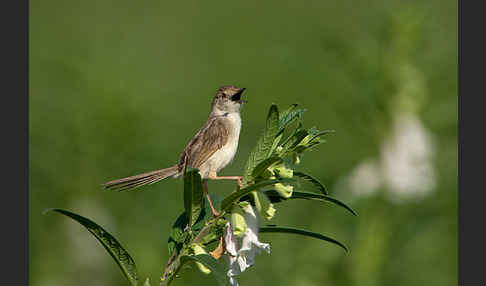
238 180
215 212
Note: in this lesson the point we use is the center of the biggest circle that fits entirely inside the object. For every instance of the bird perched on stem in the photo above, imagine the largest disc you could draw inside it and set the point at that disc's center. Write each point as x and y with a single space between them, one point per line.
210 150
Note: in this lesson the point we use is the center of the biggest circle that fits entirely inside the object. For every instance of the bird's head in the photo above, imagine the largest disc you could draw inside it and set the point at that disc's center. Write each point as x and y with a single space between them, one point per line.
228 99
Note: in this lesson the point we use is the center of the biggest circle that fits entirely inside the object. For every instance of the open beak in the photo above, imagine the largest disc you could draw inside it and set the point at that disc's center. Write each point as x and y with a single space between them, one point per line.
237 96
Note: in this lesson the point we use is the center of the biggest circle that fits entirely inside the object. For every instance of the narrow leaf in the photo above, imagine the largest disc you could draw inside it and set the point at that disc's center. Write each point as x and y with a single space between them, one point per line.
320 133
217 269
296 129
286 112
295 140
264 145
289 116
275 197
234 197
114 248
275 144
273 228
314 140
301 148
193 195
312 180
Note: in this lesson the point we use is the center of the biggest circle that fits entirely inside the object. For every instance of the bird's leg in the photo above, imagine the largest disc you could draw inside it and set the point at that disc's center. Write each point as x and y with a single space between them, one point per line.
205 188
213 176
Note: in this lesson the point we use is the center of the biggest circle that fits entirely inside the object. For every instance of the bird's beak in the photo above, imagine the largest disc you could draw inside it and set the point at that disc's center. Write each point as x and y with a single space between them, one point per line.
237 96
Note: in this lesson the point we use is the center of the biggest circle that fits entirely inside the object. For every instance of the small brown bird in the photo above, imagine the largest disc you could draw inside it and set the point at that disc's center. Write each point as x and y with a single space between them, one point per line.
210 150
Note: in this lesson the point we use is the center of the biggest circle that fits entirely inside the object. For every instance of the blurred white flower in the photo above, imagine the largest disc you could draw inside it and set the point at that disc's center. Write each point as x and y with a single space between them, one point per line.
404 167
366 178
406 159
239 259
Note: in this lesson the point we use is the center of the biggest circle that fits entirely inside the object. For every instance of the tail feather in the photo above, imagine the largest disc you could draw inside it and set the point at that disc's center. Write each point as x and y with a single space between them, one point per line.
130 183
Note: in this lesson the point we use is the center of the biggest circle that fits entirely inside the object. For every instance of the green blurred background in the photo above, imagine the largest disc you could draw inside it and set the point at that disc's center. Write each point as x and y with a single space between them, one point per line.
119 87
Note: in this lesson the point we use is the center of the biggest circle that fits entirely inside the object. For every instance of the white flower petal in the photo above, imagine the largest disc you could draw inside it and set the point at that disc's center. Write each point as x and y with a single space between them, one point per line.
230 240
242 263
239 259
251 219
237 264
251 246
234 268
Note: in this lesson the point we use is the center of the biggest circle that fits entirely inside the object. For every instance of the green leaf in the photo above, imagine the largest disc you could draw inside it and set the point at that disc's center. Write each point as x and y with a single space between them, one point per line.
312 180
178 234
296 129
216 267
312 140
264 145
289 116
265 164
295 140
286 112
114 248
275 197
320 133
301 148
234 197
193 195
275 144
274 228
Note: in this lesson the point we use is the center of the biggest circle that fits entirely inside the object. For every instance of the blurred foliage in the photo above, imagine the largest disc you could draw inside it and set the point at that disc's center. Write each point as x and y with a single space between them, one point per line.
119 87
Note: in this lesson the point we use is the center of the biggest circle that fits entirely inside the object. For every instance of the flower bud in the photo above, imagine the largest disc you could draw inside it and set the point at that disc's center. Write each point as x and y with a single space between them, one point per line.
284 172
268 174
208 238
199 250
284 190
238 221
221 222
306 140
296 159
309 139
263 205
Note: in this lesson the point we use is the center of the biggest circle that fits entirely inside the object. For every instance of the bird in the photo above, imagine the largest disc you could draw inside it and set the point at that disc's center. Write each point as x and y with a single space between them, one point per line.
212 148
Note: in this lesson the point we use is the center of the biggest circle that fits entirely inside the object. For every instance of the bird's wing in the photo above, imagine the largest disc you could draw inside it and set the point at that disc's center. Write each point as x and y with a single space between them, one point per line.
210 138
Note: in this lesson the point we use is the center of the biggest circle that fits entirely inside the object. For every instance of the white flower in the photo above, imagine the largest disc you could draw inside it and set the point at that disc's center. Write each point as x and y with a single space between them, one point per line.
250 238
407 159
366 178
405 166
239 259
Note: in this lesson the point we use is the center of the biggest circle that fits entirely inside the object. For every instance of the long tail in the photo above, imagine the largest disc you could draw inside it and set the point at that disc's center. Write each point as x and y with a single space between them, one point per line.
130 183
